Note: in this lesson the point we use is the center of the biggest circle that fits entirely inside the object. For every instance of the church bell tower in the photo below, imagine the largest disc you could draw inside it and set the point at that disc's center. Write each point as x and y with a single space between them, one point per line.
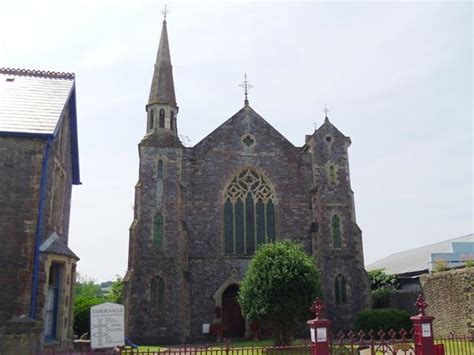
156 289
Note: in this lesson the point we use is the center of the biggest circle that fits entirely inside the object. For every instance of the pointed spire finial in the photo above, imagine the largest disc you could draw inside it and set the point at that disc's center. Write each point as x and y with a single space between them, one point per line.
162 85
165 12
246 86
326 110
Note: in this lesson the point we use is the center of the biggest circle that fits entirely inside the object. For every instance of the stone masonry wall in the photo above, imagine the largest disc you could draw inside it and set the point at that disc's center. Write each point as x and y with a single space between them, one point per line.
192 262
450 297
20 174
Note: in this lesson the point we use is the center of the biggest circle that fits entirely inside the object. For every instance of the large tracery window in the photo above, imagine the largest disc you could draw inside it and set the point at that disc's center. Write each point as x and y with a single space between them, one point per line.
249 213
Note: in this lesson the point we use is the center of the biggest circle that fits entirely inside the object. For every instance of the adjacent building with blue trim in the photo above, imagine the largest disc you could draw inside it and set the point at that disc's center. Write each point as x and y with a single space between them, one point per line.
39 163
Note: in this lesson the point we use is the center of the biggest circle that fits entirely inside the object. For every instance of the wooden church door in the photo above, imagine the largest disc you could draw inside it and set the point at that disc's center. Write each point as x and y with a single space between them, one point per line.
232 320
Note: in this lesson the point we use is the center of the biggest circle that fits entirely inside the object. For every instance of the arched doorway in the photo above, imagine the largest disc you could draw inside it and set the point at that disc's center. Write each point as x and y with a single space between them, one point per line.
232 320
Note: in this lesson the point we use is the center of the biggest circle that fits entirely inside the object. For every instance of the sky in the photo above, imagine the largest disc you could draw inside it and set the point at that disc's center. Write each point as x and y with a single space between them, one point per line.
396 77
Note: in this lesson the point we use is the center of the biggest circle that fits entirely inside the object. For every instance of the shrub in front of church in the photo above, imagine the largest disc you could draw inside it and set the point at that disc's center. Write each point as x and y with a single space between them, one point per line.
383 319
280 284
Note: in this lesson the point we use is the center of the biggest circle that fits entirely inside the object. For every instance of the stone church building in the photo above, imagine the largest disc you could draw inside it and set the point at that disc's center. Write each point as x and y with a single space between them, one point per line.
39 164
201 212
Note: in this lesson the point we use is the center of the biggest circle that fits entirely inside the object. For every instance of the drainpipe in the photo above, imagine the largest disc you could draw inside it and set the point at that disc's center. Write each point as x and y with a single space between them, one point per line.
39 227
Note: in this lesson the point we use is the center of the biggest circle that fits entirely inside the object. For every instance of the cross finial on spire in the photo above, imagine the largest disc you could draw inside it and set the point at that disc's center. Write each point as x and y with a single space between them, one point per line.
326 110
165 12
246 86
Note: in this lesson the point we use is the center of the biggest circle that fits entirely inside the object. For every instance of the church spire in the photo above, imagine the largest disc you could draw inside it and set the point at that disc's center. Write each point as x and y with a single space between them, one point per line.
162 85
161 108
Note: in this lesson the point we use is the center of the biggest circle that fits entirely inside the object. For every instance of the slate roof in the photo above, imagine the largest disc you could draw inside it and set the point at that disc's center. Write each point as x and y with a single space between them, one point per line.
32 103
416 260
54 245
162 85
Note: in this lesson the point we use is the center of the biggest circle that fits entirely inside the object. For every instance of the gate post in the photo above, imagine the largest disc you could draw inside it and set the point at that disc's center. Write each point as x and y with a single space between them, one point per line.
423 329
319 330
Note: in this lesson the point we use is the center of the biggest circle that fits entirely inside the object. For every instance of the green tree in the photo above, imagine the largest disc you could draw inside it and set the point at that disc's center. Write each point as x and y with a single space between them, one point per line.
280 284
86 287
382 285
380 279
87 294
116 294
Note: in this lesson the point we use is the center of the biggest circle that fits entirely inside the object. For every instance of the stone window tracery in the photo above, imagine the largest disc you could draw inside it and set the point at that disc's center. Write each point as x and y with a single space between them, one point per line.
340 290
249 213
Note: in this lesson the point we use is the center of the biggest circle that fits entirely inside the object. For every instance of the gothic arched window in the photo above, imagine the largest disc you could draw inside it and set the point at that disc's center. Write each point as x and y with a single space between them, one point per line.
162 118
159 171
157 294
336 231
151 120
340 290
249 213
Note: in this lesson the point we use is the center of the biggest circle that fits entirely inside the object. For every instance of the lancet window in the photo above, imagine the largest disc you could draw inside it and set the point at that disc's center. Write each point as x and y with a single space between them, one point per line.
340 290
157 294
162 119
159 171
249 213
158 230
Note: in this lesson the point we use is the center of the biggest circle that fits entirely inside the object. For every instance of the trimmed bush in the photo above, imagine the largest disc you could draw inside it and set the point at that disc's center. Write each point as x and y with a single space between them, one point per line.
384 318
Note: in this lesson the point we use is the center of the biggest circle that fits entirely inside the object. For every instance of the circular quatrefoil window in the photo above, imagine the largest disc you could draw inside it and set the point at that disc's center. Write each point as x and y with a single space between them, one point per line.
248 140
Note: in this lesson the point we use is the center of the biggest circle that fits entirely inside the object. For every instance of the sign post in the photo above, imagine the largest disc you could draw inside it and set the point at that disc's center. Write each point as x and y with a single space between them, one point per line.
319 329
107 326
423 329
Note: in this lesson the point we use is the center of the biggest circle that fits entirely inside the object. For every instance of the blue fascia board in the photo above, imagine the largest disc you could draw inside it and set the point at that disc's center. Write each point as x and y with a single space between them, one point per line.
44 136
76 177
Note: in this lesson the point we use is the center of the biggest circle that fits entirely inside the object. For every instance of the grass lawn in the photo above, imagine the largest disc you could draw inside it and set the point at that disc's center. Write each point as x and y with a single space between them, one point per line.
216 346
248 347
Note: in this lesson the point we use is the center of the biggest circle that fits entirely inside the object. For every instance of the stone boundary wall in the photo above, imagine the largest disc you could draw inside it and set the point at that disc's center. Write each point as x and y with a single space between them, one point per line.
450 297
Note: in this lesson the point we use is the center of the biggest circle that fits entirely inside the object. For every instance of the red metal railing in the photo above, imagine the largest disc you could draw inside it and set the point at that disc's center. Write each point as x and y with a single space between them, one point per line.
456 345
391 342
301 349
350 343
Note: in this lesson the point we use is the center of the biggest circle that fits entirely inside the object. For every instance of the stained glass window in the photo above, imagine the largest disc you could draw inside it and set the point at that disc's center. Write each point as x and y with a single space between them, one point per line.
157 294
336 231
249 213
340 290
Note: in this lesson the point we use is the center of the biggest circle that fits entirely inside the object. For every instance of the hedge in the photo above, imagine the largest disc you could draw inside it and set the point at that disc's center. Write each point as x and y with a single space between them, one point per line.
383 319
